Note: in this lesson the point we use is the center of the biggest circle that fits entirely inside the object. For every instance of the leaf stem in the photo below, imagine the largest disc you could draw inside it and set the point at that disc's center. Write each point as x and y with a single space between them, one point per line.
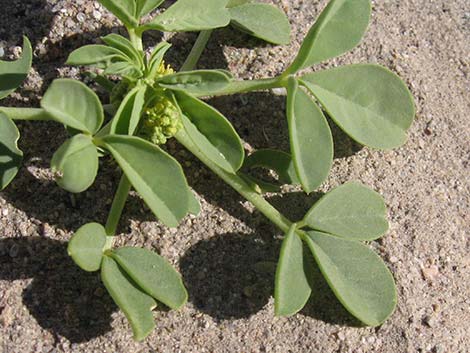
243 86
197 50
25 113
237 183
136 38
118 205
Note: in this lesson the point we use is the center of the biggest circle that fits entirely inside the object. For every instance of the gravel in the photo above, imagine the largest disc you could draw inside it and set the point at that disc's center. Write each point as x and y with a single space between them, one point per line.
227 254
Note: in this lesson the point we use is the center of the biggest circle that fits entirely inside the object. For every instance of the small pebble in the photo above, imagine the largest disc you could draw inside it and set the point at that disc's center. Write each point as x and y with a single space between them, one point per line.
81 17
430 273
97 15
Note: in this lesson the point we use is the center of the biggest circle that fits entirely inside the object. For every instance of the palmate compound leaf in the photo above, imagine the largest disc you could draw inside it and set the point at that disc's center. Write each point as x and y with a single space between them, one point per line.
73 104
76 163
153 274
190 15
86 246
10 155
310 138
350 211
358 276
338 29
263 21
198 82
13 73
136 304
156 176
211 132
369 102
292 288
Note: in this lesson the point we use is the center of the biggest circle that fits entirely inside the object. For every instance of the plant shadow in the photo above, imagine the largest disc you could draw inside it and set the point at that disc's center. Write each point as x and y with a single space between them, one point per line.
229 276
61 297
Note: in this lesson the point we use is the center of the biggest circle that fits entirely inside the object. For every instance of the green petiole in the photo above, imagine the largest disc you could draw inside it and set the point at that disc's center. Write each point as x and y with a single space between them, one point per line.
117 206
196 51
238 184
33 114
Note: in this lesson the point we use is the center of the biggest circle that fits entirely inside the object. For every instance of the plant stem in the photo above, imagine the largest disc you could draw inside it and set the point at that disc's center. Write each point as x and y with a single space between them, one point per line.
136 38
238 184
244 86
25 113
118 205
196 52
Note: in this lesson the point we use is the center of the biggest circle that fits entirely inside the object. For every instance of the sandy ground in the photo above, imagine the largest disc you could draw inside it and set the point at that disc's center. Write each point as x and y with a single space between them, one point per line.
226 255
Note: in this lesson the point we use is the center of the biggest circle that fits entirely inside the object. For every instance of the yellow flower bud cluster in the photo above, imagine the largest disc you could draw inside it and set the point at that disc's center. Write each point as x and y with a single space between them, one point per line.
161 122
164 70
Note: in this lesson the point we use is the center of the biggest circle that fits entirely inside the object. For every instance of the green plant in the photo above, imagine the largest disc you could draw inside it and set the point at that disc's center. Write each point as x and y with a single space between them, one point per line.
151 104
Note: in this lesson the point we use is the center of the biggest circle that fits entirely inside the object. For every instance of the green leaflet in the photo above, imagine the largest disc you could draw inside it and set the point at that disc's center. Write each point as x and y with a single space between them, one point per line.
76 162
211 132
263 21
10 155
310 138
278 161
194 207
369 102
73 104
206 146
338 29
125 10
143 7
125 46
357 276
233 3
100 56
156 176
128 115
190 15
124 69
199 82
259 185
136 305
13 73
292 288
153 274
86 246
350 211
